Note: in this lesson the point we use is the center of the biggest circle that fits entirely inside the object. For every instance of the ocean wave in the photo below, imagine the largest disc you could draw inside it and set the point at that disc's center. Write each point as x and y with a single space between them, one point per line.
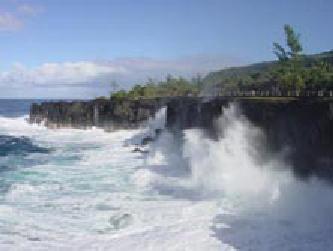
92 192
10 145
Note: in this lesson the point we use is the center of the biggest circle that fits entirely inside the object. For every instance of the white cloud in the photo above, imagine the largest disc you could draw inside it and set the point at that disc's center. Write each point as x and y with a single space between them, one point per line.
71 73
13 20
55 74
9 22
29 10
139 69
97 75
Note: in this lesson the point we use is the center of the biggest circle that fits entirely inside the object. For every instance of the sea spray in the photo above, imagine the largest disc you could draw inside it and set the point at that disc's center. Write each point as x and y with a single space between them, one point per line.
260 198
150 129
233 164
262 206
96 194
158 122
82 198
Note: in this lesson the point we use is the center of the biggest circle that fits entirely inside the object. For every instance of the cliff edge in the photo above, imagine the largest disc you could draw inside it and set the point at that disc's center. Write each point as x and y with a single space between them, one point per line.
303 126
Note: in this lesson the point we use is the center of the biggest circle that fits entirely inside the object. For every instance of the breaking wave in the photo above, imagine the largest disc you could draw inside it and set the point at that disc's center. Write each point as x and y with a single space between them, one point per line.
18 146
260 204
182 191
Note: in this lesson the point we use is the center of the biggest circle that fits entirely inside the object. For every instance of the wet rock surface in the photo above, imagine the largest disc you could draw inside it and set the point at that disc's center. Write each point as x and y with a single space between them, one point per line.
106 114
301 127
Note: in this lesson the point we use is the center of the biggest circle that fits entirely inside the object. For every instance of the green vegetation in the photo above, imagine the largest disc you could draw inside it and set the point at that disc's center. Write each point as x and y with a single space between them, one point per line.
293 71
289 75
172 86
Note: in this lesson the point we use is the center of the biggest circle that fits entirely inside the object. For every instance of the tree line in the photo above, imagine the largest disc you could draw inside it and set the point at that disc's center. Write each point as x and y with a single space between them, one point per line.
171 86
293 71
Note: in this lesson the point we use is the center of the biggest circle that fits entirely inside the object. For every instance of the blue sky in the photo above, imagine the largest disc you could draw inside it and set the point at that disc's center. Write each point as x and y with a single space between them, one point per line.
74 48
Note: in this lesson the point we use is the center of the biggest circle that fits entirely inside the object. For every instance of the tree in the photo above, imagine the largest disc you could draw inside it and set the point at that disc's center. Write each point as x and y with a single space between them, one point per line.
280 52
119 94
293 41
290 74
319 75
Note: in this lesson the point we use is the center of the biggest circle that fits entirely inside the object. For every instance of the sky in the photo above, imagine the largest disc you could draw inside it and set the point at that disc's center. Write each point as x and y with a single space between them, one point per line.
76 48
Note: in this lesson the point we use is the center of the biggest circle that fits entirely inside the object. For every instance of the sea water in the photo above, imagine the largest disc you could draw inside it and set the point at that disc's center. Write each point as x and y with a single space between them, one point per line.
73 189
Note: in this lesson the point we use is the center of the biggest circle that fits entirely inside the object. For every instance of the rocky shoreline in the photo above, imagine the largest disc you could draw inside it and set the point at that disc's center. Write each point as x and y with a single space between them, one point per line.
106 114
304 126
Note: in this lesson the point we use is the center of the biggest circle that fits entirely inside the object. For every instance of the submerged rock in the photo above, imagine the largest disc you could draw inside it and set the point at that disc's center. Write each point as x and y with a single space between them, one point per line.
139 150
147 140
120 221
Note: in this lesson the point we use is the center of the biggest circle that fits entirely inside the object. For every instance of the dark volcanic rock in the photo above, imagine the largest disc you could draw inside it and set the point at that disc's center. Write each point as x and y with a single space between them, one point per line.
107 114
139 150
147 140
304 126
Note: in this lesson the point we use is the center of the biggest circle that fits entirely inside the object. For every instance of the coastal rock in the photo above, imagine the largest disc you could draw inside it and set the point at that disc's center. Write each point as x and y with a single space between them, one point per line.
304 126
106 114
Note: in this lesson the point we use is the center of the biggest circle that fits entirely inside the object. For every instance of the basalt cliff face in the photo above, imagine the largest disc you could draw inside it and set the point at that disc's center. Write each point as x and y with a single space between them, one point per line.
106 114
301 127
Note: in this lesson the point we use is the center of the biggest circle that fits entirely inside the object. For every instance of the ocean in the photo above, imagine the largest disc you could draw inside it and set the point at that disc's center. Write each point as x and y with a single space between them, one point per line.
70 189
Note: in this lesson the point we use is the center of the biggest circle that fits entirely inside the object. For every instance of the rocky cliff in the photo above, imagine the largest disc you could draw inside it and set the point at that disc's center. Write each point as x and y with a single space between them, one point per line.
303 126
106 114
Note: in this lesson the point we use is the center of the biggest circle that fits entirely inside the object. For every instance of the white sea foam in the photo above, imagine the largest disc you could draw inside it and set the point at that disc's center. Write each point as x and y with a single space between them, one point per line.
91 192
83 198
262 206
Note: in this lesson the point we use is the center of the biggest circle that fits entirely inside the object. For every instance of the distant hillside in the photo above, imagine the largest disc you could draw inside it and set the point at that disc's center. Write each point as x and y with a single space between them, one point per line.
258 72
307 72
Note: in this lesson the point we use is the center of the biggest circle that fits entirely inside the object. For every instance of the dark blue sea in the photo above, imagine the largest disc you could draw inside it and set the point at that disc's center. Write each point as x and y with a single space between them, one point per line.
16 107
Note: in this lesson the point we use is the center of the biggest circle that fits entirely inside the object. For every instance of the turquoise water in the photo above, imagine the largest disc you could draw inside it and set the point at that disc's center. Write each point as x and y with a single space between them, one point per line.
86 190
89 190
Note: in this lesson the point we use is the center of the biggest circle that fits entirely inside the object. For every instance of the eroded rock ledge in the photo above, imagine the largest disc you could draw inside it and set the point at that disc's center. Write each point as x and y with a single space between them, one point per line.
106 114
304 126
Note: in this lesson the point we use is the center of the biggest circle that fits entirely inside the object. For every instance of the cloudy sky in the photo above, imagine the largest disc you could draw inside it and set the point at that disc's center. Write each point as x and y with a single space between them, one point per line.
76 48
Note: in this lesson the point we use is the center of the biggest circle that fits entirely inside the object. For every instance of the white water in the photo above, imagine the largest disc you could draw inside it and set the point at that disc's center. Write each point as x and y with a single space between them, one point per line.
93 193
